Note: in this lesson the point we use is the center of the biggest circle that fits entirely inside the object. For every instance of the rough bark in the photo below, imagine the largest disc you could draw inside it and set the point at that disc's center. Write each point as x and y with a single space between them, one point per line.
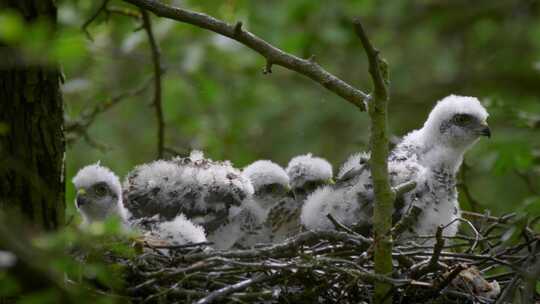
31 133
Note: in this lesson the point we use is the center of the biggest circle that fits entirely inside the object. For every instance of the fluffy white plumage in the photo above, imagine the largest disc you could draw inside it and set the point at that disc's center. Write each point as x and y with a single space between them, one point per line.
306 168
350 199
91 174
265 172
179 231
202 189
306 173
246 228
440 142
167 198
429 156
353 162
96 206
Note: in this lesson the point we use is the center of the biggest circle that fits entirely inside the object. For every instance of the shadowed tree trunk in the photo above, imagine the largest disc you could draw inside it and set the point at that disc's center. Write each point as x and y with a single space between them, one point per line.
31 128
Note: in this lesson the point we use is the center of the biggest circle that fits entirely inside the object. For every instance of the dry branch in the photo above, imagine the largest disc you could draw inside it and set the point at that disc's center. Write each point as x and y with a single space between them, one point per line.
156 61
272 54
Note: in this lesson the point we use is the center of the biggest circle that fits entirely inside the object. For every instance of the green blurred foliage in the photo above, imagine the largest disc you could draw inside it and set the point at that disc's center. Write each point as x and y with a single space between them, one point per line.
81 258
216 98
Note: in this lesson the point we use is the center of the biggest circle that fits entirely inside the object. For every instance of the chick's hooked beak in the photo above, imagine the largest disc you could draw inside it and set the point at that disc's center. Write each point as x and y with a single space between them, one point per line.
485 130
81 198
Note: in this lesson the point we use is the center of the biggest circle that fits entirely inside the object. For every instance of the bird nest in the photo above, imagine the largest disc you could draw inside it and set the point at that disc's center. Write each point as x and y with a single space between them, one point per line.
478 266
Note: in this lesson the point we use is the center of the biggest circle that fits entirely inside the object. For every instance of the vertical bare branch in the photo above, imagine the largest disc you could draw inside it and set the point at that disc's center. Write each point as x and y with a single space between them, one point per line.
384 196
156 60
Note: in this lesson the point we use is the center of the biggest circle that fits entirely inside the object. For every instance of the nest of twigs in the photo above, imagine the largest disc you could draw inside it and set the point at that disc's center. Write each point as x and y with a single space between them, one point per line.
337 267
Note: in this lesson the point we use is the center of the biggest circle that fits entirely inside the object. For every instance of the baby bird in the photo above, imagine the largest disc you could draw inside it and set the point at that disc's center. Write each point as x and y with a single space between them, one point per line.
306 174
99 196
246 228
430 156
270 182
206 191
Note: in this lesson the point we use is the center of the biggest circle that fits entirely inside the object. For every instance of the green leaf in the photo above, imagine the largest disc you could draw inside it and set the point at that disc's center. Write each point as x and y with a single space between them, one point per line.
69 47
11 27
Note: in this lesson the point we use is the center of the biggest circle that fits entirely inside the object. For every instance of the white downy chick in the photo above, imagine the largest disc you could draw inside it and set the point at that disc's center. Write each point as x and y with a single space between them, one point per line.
430 156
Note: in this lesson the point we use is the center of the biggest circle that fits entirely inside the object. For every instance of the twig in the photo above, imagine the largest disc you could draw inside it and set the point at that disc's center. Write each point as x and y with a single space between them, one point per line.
407 221
123 11
340 226
477 235
88 116
84 27
449 278
433 262
184 246
273 55
156 60
220 293
403 188
501 220
283 249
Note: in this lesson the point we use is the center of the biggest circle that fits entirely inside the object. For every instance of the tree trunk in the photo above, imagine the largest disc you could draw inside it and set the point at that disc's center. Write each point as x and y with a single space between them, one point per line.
31 129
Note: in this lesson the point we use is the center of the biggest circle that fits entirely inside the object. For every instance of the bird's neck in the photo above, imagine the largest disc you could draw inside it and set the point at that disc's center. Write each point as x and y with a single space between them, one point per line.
438 156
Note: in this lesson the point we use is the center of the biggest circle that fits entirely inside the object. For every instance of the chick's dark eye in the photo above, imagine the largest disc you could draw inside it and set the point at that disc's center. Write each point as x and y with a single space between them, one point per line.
101 190
461 119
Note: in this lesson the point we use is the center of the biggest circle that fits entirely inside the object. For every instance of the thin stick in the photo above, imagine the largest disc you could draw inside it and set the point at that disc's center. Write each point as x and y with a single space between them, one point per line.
156 60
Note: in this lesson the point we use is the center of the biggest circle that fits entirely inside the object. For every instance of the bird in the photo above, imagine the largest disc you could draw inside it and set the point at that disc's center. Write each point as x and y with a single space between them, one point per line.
270 182
246 228
242 229
98 194
207 192
430 156
306 173
99 197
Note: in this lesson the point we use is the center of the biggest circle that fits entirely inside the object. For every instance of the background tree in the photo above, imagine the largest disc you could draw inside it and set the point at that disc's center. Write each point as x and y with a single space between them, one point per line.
31 121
